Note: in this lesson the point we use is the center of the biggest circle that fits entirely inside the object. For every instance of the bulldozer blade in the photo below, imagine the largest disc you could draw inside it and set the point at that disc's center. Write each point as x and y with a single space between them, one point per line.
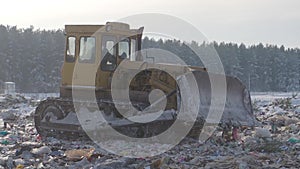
237 109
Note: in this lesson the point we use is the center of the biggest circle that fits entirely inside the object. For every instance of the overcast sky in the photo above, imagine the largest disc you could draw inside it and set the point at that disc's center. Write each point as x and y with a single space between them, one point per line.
247 21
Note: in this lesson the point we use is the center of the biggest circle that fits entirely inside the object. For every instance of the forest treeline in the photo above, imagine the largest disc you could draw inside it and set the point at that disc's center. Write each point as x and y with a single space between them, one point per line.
33 58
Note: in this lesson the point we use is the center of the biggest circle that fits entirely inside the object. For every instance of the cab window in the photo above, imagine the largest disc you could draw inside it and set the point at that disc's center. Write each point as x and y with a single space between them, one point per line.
70 55
87 53
124 49
133 50
109 59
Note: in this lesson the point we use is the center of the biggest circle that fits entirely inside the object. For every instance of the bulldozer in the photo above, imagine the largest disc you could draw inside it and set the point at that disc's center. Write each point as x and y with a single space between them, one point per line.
95 54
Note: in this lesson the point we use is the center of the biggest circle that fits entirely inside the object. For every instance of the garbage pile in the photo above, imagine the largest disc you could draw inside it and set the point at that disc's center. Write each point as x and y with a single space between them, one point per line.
14 108
275 143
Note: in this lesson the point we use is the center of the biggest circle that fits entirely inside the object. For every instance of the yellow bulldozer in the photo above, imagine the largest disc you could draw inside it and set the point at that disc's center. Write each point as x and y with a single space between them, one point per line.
95 54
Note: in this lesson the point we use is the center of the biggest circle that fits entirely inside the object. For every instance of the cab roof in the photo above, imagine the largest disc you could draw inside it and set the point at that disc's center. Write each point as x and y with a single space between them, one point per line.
109 26
83 28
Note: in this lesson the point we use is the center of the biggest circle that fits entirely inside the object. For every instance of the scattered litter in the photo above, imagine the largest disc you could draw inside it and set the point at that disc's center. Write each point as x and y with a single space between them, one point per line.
3 133
20 166
4 142
293 140
262 133
275 143
42 150
79 154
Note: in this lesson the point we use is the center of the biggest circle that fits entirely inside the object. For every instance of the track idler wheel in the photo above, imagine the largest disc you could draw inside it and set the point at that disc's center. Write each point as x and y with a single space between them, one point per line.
46 113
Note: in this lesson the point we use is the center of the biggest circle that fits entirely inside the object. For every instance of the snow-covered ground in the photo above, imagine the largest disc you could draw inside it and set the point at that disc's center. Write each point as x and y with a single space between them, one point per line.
256 96
269 96
263 98
40 96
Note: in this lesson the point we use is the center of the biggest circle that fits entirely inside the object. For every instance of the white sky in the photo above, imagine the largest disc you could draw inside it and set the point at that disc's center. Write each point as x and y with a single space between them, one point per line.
248 21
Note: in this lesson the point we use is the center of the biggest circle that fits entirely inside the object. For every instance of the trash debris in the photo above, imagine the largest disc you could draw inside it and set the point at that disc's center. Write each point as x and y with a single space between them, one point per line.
39 138
19 161
20 166
3 133
42 150
79 154
235 136
56 153
160 163
275 144
262 133
4 142
293 140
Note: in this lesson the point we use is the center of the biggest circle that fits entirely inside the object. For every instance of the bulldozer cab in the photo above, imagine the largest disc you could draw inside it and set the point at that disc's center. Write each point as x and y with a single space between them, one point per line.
97 49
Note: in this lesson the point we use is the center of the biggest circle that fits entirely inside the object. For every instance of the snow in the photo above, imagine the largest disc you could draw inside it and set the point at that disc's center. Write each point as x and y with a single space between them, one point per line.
40 96
263 98
270 96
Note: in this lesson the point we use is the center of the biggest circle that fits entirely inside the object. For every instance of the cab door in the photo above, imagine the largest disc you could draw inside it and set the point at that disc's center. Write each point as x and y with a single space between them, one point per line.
85 67
69 62
107 62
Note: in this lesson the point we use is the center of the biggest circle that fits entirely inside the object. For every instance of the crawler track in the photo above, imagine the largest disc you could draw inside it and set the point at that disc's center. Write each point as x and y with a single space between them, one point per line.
50 121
